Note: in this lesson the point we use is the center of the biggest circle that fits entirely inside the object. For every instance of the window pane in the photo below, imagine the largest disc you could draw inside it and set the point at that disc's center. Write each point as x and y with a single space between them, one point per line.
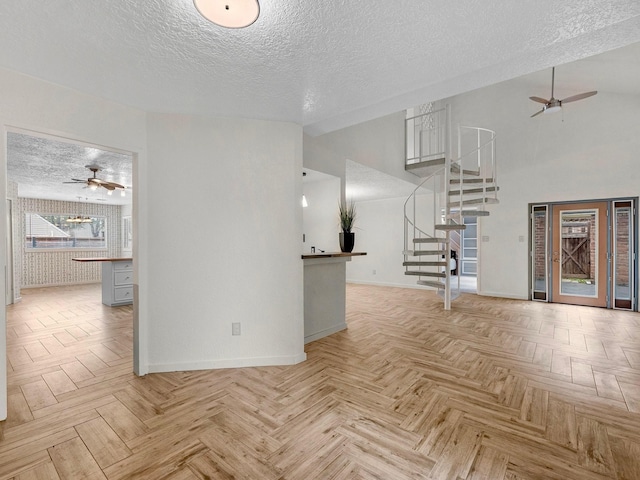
471 231
64 231
470 253
578 253
469 268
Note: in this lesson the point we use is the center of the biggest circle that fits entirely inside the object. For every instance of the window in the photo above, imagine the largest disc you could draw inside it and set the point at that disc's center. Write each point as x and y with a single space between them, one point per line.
47 232
127 233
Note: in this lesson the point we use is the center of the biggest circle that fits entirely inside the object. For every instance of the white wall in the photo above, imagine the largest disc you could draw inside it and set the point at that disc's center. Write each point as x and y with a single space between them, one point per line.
244 176
27 103
589 151
320 218
227 249
380 233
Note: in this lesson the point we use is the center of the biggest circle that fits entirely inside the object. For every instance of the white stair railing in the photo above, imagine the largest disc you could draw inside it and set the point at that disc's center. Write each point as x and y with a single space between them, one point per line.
472 174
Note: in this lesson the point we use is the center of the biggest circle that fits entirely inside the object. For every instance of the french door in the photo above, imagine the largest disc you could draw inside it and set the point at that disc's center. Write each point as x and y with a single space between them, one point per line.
584 253
579 254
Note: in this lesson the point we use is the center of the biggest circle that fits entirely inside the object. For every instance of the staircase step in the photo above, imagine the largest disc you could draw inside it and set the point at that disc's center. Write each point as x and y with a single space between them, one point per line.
431 283
475 201
425 274
472 213
430 240
424 264
450 226
469 191
471 180
417 253
425 167
455 168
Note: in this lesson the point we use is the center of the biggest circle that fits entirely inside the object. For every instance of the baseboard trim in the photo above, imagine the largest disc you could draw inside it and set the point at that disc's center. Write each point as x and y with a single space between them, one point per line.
421 287
228 363
503 295
45 285
396 285
326 332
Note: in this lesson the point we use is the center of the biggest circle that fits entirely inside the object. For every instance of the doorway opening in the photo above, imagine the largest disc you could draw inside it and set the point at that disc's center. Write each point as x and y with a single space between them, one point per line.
584 253
58 213
464 256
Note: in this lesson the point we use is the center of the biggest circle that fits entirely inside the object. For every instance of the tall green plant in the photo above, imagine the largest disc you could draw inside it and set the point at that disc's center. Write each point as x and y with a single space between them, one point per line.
347 215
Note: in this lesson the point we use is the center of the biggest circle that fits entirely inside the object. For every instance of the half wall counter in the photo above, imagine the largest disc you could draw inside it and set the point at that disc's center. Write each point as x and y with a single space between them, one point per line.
325 293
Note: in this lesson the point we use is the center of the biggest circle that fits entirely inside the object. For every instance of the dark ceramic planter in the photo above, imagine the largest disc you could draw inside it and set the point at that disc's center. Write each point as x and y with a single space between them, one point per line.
347 241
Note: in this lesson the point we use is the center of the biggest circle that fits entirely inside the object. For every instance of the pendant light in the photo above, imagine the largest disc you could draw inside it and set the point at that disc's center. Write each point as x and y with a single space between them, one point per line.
79 219
229 13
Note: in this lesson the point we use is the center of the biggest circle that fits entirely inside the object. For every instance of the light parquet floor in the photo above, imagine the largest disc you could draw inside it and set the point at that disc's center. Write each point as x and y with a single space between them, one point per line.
494 389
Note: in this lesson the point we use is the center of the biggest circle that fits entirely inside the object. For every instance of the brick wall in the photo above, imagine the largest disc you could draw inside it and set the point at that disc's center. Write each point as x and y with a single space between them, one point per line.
540 246
622 247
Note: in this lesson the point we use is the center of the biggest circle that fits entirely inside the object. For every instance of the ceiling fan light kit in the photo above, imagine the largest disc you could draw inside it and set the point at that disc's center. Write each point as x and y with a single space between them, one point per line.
553 104
229 13
93 183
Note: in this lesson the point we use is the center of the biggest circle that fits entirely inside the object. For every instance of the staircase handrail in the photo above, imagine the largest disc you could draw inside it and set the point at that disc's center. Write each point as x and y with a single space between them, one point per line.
442 169
406 216
480 146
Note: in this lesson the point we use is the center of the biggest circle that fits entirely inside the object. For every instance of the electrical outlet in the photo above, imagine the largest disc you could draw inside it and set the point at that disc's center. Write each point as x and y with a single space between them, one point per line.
235 328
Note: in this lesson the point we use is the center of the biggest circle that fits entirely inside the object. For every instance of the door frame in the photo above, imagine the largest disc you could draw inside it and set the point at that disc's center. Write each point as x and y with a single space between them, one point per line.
548 208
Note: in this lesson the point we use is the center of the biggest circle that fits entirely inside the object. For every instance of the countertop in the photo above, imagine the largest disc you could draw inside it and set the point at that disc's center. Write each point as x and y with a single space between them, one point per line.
332 254
102 259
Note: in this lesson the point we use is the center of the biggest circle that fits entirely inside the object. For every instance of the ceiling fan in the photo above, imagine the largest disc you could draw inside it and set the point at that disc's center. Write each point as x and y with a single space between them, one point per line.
553 104
94 182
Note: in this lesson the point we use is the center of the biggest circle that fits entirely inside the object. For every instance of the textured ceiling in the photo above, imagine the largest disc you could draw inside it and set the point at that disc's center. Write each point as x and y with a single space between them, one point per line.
41 165
323 64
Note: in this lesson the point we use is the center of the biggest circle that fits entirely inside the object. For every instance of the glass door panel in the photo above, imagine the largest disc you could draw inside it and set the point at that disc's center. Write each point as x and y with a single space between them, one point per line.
539 239
579 254
623 255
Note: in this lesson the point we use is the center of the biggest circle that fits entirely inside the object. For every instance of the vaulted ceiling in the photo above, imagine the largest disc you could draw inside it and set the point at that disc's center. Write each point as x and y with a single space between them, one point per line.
323 64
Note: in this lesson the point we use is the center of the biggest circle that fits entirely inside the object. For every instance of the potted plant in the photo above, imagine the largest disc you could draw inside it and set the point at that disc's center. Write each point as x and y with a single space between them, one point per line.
347 218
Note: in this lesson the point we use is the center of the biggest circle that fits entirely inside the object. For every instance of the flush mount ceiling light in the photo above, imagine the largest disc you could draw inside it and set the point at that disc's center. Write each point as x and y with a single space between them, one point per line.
229 13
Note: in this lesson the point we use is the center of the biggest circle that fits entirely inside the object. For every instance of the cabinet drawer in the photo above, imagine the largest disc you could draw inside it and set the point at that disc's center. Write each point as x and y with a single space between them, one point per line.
123 294
123 278
123 265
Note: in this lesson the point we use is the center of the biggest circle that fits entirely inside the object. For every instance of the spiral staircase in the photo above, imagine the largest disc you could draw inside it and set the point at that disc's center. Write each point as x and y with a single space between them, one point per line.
456 184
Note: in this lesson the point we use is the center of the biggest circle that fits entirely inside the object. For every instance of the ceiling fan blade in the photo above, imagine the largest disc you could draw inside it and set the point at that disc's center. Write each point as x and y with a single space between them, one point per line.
539 100
579 96
112 185
537 113
96 181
